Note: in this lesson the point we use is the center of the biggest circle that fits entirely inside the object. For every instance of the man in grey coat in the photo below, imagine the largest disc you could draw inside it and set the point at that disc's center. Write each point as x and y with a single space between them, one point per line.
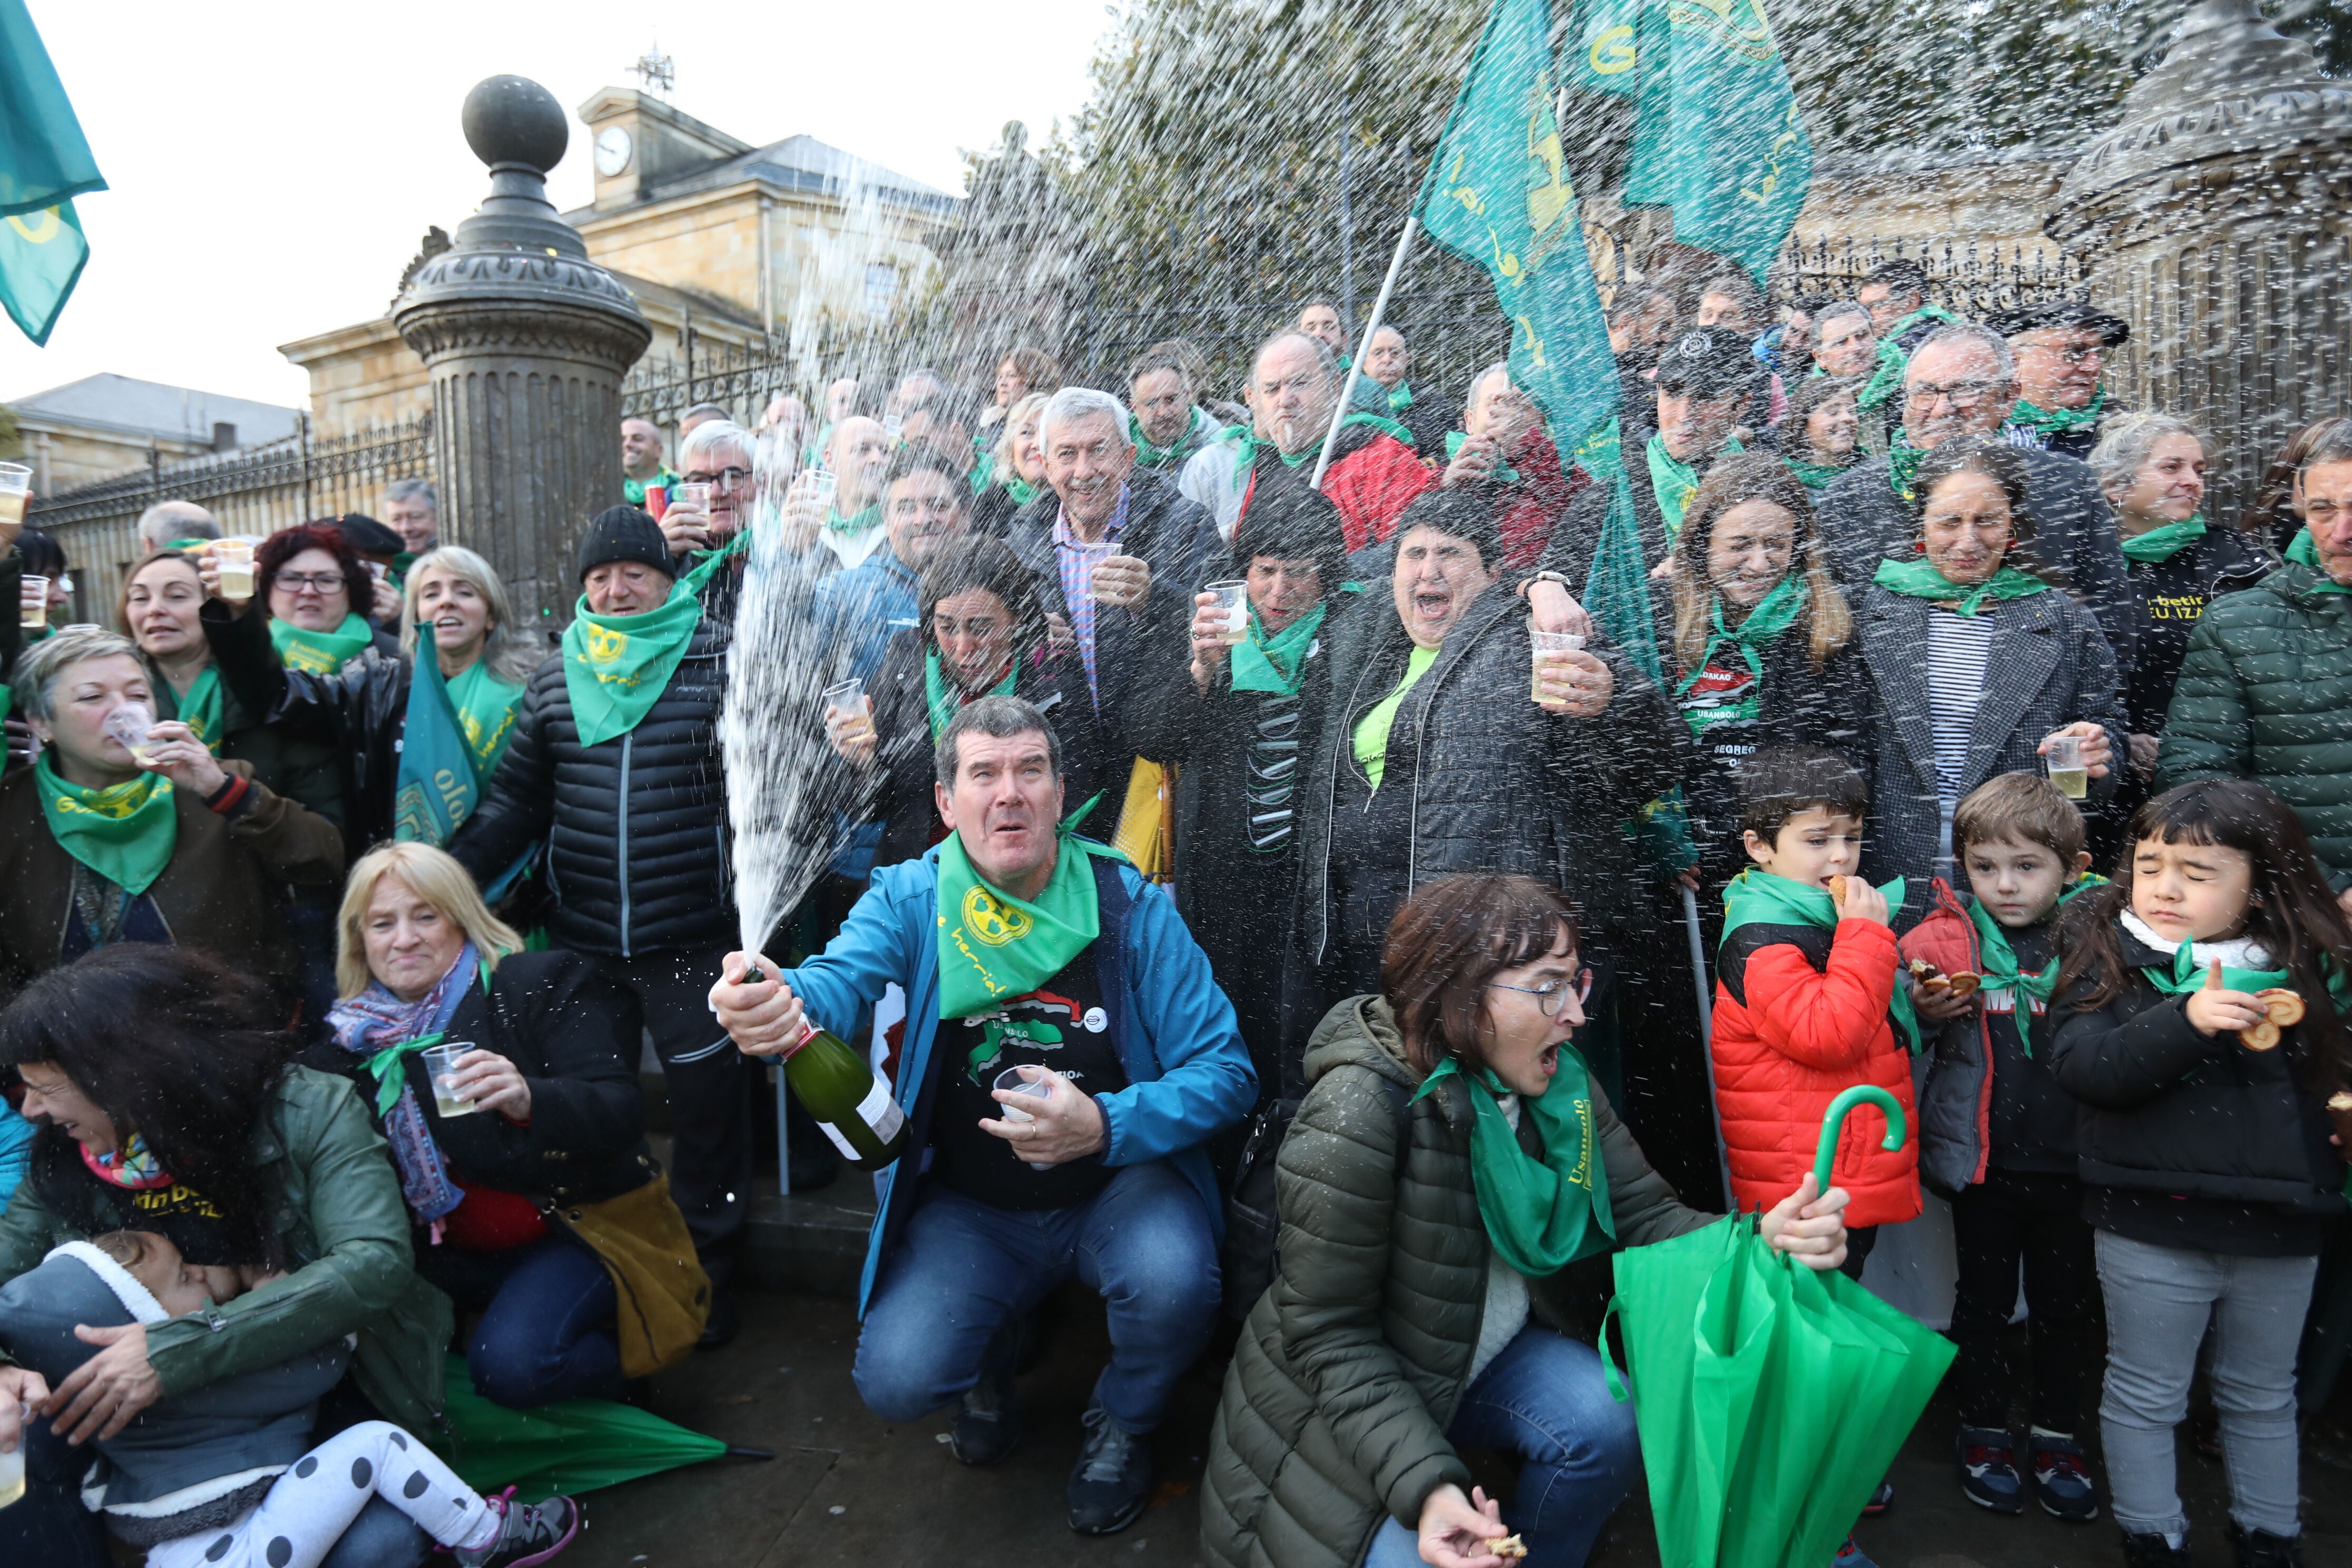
1962 380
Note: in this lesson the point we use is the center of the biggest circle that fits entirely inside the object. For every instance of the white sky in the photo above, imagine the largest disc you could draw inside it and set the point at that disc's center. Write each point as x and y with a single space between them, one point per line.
273 164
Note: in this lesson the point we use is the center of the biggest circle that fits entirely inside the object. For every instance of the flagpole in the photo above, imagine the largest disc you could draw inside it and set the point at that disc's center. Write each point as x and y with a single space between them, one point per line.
1363 347
1707 1036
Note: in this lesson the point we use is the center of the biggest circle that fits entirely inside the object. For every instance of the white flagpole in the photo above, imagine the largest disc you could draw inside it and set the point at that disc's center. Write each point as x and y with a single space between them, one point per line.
1363 347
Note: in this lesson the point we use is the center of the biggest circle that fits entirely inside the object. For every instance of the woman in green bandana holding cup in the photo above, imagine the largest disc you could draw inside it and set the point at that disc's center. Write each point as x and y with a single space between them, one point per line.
1980 667
1450 1163
97 845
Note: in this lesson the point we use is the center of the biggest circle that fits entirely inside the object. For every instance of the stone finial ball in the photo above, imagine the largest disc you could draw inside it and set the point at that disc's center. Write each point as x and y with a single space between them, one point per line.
513 119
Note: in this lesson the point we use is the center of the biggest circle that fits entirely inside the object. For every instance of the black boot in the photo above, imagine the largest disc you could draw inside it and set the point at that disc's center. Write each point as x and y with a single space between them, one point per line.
2260 1549
2151 1551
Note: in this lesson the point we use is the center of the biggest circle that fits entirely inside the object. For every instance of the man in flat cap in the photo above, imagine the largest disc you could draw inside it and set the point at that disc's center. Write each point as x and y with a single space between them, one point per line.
2061 347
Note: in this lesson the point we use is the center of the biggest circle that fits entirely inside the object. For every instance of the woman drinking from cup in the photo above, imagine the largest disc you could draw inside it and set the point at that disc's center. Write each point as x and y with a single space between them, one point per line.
505 1083
1017 474
1818 436
127 829
1980 668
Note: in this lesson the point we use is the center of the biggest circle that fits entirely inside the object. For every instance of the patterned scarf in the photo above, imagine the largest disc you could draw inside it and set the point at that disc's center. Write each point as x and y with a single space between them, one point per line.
376 1018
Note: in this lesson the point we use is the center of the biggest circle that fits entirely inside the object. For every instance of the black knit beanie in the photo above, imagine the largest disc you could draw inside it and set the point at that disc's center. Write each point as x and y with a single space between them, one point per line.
624 534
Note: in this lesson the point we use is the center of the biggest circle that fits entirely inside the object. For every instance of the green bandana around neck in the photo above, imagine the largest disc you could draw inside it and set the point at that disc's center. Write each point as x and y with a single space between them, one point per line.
2165 541
1903 460
1022 491
1997 960
1756 895
2058 421
1887 380
2304 551
200 710
124 832
616 666
1920 580
993 946
1774 613
942 698
1276 663
2187 974
1247 445
1502 473
1400 398
385 1067
320 653
856 522
1540 1215
485 705
1816 477
1151 455
1674 483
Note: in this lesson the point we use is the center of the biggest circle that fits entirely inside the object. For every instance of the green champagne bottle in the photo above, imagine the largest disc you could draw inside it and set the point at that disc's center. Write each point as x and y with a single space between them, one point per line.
850 1101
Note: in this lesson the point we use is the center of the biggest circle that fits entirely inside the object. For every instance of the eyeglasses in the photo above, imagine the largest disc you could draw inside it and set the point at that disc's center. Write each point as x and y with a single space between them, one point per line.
1547 998
2091 355
723 477
317 582
1963 394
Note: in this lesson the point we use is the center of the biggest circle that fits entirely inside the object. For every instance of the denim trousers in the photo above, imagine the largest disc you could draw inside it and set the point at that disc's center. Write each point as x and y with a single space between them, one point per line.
965 1269
1544 1399
2160 1299
548 1320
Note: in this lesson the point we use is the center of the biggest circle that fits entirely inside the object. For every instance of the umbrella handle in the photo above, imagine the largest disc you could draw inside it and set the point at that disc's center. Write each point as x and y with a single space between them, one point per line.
1859 1094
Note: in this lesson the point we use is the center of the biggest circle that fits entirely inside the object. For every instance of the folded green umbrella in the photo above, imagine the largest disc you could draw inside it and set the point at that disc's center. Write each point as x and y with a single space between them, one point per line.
573 1447
1770 1396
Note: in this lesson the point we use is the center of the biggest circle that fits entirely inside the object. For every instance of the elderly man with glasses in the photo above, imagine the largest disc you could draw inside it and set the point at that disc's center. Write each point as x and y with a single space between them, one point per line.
1962 380
2061 399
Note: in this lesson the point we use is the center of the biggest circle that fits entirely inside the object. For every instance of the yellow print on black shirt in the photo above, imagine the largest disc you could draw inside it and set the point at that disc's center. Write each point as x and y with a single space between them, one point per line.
2176 607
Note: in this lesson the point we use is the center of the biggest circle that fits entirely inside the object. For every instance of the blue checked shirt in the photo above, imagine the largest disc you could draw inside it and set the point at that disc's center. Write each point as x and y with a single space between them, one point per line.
1077 561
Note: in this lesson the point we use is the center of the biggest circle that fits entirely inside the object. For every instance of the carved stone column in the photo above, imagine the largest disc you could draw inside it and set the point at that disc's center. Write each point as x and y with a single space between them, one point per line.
526 341
2216 218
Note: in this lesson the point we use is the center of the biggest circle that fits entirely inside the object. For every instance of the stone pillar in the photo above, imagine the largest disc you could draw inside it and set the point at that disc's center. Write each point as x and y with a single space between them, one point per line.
2216 218
526 341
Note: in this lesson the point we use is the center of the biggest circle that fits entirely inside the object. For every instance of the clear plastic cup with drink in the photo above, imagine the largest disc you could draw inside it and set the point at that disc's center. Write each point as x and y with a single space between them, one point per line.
129 723
1011 1081
1233 602
233 558
1551 651
33 605
2068 771
440 1070
16 488
848 711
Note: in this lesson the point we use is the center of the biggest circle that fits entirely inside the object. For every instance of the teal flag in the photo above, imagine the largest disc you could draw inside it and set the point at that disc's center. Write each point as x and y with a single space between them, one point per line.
1604 48
1716 134
41 258
45 162
436 789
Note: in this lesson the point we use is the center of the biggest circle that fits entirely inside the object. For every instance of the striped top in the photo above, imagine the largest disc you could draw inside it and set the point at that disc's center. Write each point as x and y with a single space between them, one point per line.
1959 648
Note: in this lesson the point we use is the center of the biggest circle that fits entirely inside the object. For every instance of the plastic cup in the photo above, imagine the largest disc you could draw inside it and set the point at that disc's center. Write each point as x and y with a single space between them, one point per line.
1551 650
234 558
12 1463
439 1064
1011 1081
848 696
1233 599
32 609
823 484
656 501
15 486
2067 769
129 723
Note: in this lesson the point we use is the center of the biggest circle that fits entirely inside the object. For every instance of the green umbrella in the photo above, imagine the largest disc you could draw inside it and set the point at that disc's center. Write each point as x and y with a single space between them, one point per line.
571 1446
1770 1396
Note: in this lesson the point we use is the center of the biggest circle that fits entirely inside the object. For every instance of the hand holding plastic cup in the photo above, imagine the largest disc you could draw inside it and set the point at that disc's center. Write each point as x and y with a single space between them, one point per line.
129 723
1551 651
233 558
2063 755
1232 598
440 1065
1010 1081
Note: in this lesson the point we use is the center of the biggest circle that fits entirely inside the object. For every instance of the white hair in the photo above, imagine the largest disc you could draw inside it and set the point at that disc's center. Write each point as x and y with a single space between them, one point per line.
1076 402
1974 332
169 519
413 490
705 439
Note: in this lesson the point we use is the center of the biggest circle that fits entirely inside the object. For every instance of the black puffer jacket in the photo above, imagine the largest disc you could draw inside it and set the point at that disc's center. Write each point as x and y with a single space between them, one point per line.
635 826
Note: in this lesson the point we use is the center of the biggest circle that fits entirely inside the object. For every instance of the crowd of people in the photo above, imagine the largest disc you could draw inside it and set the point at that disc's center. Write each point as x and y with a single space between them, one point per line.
1970 757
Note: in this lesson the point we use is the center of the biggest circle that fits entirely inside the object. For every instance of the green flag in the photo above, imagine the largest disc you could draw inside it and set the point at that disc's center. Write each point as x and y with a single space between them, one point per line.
1716 133
436 789
45 162
41 257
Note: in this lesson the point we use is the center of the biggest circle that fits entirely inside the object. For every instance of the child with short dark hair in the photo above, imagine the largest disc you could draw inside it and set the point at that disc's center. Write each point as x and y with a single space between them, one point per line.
1997 1137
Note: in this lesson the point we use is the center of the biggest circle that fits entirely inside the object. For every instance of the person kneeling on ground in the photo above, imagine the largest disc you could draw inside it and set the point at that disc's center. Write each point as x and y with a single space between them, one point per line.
997 936
1436 1190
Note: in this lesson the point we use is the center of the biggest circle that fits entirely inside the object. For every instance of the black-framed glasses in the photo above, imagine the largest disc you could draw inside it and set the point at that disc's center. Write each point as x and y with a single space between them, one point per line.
1547 998
318 581
723 477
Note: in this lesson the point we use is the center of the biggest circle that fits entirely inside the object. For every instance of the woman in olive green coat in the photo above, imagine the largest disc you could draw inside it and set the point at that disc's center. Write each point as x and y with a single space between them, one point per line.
1426 1219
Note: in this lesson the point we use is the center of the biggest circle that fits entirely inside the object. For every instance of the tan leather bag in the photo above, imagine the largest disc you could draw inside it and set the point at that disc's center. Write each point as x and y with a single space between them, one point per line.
664 1295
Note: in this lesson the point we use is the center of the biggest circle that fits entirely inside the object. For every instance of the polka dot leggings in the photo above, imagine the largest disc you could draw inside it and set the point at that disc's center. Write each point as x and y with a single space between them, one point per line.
302 1517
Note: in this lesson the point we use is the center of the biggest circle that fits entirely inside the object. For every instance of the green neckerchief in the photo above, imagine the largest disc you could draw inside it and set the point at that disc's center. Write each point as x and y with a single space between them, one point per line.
1903 460
856 522
385 1067
2056 421
320 653
2165 541
2187 974
124 832
200 710
1022 491
942 699
1920 580
1501 473
615 667
1674 483
993 946
1276 663
1540 1215
1816 477
1246 445
1757 894
1372 737
485 706
633 491
1773 614
1400 398
2304 551
1152 456
1997 961
1887 380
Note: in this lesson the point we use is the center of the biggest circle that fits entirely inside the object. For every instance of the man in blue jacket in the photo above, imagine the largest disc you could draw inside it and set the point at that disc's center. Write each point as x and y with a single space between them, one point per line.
1020 946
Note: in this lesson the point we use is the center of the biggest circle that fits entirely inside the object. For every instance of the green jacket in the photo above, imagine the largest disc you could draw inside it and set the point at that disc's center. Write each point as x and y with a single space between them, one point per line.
2265 693
1336 1405
348 1267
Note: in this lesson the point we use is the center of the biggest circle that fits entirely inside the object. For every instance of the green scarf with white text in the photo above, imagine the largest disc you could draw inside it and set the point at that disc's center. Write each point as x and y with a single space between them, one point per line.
1540 1215
1774 613
1997 961
993 946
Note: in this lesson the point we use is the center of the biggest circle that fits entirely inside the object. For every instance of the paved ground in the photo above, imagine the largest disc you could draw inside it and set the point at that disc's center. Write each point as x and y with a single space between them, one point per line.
847 1490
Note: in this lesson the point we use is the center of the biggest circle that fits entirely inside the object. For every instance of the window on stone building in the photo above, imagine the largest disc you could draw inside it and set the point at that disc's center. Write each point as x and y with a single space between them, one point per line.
881 288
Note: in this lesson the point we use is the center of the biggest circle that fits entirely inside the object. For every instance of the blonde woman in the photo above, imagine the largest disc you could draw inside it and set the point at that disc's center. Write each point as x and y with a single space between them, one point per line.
534 1135
362 709
1018 468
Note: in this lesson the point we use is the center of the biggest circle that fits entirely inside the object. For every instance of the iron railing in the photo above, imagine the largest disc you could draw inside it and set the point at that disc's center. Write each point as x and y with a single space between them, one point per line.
1965 277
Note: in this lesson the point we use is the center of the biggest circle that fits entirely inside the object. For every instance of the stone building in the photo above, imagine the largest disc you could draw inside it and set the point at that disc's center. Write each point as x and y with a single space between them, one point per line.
104 424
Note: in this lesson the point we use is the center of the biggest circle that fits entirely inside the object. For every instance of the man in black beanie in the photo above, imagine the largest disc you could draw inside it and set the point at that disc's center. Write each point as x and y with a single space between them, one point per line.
614 765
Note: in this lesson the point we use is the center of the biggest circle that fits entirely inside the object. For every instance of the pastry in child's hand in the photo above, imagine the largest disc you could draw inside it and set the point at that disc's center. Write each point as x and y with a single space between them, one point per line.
2281 1006
2263 1036
1837 896
1965 984
1509 1546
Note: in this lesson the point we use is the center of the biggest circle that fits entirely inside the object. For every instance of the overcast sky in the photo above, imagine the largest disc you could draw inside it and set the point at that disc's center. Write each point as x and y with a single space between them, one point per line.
273 164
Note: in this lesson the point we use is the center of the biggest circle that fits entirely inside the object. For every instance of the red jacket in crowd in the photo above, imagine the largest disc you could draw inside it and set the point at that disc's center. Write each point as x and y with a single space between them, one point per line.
1371 484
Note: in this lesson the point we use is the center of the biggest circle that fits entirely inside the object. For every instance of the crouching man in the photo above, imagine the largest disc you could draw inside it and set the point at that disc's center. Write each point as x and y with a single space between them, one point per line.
1020 946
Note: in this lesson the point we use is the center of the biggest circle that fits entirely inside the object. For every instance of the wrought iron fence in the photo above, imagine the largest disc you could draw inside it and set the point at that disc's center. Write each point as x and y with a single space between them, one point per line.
255 491
1971 279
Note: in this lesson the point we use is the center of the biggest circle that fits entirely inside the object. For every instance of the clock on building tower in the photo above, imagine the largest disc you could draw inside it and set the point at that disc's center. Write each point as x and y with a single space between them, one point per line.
612 150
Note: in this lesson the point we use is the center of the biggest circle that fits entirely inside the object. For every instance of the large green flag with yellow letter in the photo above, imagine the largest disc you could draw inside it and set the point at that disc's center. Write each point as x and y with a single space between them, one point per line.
41 257
45 162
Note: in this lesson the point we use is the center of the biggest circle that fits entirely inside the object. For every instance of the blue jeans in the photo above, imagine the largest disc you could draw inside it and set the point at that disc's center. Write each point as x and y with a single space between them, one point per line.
1545 1400
964 1269
548 1314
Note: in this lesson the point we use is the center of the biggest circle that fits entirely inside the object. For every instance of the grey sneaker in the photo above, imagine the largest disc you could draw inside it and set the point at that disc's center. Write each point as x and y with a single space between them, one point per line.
528 1533
1112 1479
